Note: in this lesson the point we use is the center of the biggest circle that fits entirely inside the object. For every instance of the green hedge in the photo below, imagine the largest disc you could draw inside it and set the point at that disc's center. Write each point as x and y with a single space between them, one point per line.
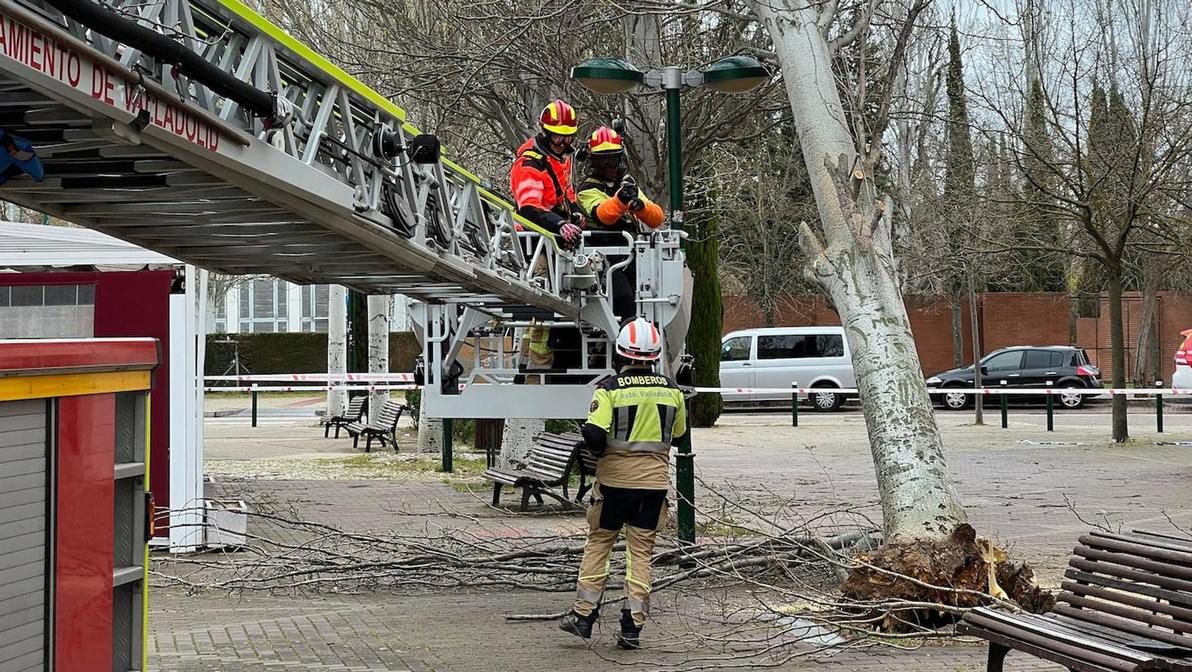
297 352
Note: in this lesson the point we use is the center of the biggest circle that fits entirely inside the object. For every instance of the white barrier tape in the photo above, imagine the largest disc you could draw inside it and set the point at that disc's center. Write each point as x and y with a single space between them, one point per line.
319 377
988 391
312 388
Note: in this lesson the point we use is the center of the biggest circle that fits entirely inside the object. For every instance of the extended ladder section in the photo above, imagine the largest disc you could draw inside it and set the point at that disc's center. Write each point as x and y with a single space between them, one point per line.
200 130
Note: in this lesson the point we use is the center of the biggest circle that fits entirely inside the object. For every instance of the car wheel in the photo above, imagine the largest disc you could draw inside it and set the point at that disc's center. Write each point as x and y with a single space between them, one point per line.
956 401
1071 400
826 401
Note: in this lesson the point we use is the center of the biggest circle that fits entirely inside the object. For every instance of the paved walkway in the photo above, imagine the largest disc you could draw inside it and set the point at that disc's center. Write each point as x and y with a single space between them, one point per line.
1014 489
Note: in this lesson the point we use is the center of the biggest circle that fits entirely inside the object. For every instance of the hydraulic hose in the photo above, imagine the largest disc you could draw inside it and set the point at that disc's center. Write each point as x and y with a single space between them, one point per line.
103 20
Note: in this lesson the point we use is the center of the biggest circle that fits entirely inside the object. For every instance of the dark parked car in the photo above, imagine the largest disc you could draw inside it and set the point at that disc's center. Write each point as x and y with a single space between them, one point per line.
1022 366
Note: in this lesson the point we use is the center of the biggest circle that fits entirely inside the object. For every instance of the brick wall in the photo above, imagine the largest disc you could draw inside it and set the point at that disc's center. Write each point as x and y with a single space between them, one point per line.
1024 319
1005 319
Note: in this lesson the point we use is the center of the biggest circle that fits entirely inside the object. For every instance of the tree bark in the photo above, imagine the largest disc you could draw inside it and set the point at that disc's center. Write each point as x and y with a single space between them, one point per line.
337 346
856 268
1144 373
957 328
378 347
707 311
975 325
1117 345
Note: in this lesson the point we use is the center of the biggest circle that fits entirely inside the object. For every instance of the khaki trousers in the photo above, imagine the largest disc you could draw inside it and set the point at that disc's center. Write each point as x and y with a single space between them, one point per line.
611 510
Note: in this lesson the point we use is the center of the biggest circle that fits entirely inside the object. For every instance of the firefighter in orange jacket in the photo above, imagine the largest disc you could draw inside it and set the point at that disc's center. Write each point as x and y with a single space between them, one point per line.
610 199
541 175
541 182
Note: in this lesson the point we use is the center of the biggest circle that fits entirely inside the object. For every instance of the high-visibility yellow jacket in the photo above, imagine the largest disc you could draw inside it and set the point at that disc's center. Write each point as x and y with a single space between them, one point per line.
634 419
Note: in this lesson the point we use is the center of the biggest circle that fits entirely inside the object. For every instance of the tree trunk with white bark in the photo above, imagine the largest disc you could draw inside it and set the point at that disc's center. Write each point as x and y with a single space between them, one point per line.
378 346
337 346
926 531
854 263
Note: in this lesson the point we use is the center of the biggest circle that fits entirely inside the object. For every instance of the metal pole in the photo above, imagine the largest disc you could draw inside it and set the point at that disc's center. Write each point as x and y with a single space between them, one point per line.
672 82
1005 407
685 483
254 404
448 458
1159 408
794 404
1050 410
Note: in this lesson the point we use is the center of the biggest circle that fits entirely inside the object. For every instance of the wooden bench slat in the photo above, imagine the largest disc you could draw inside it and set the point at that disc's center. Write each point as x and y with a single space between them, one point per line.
1130 573
1160 539
1042 651
1163 569
1134 547
1127 598
1129 612
1124 624
1172 596
1110 634
1086 648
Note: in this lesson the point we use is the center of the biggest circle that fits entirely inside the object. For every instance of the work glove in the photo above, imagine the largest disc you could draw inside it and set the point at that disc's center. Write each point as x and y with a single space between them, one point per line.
571 233
628 193
578 219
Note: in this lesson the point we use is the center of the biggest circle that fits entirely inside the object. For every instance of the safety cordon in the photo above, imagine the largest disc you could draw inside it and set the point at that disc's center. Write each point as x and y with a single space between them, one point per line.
988 391
301 377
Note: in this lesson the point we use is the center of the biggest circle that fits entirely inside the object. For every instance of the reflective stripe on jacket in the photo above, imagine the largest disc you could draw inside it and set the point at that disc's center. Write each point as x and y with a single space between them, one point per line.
641 412
535 191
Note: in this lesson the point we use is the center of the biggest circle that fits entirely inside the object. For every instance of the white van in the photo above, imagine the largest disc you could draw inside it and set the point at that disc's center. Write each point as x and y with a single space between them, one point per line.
776 357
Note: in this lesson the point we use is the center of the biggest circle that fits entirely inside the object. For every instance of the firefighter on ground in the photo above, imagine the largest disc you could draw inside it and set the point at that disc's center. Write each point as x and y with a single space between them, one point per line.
540 179
612 202
635 417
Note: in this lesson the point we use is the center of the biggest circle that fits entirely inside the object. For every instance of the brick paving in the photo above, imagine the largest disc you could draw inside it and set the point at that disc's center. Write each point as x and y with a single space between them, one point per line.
1013 487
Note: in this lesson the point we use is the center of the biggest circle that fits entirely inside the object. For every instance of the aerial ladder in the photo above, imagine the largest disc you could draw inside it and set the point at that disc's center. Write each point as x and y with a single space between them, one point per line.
199 129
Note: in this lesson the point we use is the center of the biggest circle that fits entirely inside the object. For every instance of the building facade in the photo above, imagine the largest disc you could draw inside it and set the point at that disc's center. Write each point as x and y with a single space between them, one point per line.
270 305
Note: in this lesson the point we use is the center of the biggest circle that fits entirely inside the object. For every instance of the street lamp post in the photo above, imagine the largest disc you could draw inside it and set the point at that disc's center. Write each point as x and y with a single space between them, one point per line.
734 74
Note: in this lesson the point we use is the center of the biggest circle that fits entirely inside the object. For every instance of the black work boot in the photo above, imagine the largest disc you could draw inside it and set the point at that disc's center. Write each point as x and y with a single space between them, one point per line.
630 635
580 626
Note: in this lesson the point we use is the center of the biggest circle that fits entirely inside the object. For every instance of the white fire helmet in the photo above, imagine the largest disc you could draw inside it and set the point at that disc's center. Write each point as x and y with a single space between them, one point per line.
639 340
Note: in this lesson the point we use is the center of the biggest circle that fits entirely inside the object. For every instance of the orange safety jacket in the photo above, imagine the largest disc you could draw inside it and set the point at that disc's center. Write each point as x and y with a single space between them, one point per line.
600 204
541 185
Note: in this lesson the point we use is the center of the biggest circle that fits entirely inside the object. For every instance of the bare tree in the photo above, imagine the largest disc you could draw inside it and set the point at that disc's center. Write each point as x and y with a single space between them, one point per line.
851 254
1118 144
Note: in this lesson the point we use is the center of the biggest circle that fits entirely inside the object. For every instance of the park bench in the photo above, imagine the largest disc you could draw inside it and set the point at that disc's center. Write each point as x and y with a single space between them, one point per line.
356 408
382 427
551 461
1126 604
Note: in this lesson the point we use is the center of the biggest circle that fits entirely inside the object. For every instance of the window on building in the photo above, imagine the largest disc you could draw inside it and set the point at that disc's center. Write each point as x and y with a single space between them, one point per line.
28 295
283 298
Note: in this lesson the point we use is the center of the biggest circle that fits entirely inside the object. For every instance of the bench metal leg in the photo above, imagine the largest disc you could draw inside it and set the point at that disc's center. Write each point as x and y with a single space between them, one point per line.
497 494
355 441
327 431
525 501
997 657
538 496
368 443
337 431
